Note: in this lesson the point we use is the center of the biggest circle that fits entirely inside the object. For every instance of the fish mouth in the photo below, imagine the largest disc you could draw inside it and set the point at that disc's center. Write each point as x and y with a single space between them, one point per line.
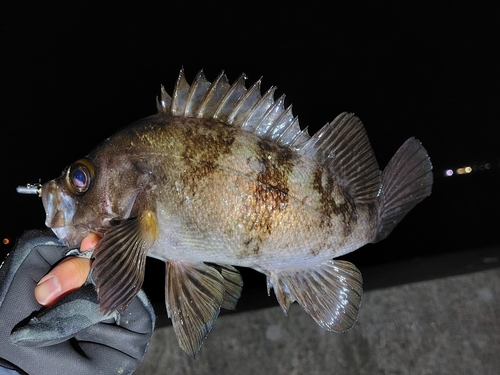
59 210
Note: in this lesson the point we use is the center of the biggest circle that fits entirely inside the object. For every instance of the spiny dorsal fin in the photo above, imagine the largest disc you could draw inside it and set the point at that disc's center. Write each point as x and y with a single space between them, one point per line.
235 105
341 145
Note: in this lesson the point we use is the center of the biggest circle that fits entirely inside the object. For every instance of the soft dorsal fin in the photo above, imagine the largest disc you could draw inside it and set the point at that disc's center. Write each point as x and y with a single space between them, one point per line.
341 145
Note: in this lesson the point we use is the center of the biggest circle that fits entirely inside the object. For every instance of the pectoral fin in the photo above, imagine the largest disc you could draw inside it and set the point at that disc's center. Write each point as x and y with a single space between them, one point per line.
120 259
330 292
195 293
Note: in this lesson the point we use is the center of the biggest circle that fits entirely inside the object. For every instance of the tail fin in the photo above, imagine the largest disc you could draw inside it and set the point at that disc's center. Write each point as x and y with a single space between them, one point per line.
406 181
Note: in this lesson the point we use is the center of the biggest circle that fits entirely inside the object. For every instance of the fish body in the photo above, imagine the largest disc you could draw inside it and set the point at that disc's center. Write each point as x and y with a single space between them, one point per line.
223 176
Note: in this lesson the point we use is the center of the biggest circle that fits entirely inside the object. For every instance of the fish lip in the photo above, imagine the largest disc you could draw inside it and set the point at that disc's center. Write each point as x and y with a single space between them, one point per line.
71 235
61 232
59 209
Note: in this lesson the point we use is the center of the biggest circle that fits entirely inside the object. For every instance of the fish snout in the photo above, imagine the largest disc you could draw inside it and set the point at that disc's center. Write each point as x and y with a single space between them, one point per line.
59 206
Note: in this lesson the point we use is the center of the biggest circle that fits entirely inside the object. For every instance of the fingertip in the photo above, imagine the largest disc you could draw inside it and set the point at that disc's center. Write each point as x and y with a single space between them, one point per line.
47 289
89 242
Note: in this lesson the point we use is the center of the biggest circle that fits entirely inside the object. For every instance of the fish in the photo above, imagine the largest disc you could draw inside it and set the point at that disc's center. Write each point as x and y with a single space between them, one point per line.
223 176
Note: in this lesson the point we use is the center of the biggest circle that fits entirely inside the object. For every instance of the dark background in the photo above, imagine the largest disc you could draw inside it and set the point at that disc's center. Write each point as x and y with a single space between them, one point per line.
72 74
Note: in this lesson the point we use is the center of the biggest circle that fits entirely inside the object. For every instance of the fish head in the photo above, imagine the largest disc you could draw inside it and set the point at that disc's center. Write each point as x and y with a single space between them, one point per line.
110 192
91 193
62 196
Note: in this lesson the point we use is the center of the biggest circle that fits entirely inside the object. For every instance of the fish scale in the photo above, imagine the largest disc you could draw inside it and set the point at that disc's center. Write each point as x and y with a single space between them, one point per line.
223 176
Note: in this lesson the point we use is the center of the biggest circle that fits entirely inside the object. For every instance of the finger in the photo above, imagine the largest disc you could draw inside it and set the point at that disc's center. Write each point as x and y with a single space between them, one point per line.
67 276
89 242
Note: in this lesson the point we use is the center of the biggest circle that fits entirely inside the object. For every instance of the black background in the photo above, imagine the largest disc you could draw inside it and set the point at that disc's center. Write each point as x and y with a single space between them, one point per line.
72 74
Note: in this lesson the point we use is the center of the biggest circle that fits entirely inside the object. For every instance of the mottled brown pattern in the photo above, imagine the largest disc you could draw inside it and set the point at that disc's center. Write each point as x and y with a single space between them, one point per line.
270 194
203 145
252 245
331 208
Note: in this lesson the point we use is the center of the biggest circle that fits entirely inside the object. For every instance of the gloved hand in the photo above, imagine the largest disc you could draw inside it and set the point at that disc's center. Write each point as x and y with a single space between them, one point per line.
71 336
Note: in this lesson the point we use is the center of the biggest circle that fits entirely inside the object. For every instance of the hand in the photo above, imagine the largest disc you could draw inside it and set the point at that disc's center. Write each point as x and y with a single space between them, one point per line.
71 335
67 276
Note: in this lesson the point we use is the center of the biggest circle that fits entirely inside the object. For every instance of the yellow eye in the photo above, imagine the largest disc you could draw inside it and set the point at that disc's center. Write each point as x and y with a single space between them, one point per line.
79 176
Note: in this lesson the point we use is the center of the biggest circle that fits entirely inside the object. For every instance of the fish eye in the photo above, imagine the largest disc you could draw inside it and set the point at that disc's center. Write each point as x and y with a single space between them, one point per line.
79 176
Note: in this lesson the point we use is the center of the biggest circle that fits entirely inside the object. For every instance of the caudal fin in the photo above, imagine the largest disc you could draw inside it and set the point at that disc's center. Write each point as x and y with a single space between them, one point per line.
406 181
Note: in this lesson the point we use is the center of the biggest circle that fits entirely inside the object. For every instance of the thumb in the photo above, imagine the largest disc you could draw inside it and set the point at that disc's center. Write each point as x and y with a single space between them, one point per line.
67 276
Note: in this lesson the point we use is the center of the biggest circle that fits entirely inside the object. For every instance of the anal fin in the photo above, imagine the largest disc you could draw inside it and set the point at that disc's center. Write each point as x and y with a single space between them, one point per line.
330 292
195 293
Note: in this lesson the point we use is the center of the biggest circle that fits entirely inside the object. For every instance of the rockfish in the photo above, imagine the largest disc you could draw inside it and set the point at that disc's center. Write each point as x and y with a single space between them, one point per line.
223 176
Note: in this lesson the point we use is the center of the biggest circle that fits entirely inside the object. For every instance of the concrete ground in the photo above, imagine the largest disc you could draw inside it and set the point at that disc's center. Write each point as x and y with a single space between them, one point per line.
448 325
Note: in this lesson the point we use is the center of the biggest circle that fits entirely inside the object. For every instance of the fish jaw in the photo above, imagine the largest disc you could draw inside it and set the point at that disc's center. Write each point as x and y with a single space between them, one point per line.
59 212
59 207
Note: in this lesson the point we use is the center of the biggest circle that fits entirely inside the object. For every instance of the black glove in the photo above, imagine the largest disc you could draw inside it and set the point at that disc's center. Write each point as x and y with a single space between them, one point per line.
72 336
